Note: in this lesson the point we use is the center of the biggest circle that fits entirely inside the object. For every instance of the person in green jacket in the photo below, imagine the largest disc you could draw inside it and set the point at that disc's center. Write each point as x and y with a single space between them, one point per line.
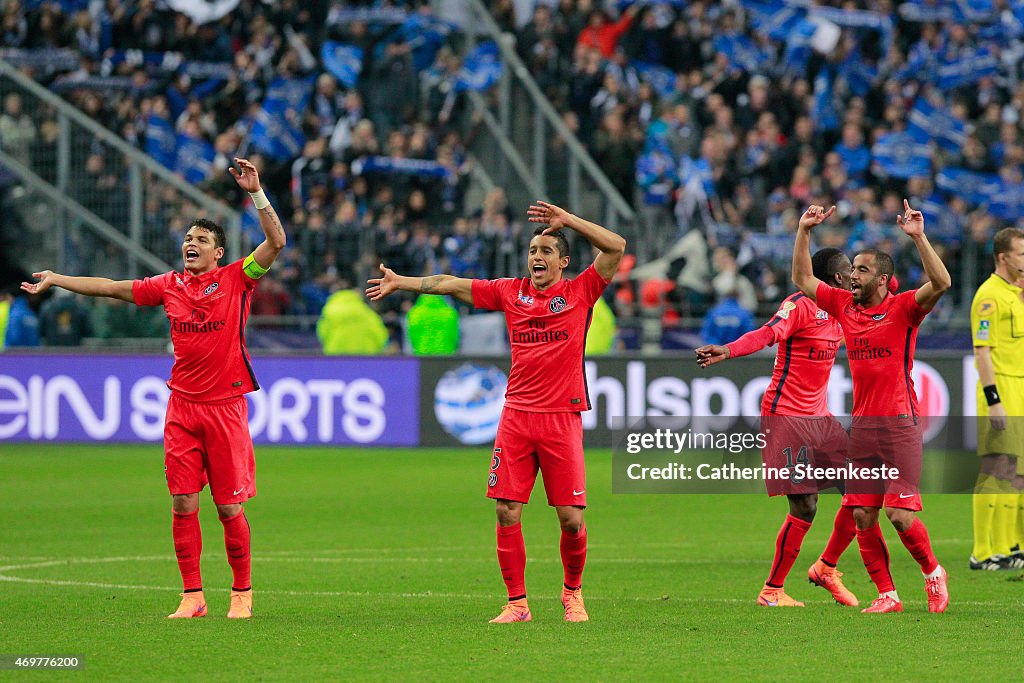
433 326
601 335
348 326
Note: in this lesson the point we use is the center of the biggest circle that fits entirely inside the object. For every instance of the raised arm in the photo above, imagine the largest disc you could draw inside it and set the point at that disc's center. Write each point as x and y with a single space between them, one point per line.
274 238
803 270
89 286
611 246
939 281
459 287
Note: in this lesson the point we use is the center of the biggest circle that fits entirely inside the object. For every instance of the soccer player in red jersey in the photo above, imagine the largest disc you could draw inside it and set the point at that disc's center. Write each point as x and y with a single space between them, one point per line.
881 328
547 317
206 432
796 419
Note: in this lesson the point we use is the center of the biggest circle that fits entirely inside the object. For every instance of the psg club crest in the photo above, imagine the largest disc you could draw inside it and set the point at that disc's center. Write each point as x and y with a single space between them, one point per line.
211 289
557 305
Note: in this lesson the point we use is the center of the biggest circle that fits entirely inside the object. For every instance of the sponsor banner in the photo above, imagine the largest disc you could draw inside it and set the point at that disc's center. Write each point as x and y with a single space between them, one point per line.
313 401
460 398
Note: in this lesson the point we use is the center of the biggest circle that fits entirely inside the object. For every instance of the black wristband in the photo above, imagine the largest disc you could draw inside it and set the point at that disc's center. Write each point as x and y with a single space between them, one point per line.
991 395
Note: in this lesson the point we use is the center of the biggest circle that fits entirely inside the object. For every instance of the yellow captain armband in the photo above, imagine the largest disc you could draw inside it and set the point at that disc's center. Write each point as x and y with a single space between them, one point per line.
254 270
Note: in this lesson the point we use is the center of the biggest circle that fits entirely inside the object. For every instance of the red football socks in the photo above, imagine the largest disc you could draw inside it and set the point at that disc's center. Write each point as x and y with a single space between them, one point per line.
188 547
237 544
512 559
574 556
787 547
920 546
875 554
844 530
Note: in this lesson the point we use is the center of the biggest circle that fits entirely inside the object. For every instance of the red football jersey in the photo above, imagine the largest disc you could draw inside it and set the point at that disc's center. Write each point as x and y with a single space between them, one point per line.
880 343
207 315
547 331
808 339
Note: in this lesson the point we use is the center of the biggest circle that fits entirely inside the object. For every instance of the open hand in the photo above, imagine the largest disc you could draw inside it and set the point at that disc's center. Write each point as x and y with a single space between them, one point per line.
381 286
45 278
911 222
555 217
248 179
815 215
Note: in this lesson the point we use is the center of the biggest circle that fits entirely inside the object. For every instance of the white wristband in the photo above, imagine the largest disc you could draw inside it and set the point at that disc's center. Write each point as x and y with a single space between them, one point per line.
260 199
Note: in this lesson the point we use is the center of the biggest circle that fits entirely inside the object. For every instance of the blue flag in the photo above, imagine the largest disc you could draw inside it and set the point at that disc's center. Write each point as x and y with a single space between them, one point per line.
824 112
417 167
743 53
277 127
971 186
966 69
344 62
193 159
480 69
425 34
661 78
899 155
931 122
160 140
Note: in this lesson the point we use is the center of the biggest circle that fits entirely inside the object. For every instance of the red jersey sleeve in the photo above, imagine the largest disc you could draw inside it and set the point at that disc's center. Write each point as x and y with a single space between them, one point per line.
793 314
589 285
833 300
150 291
492 295
907 302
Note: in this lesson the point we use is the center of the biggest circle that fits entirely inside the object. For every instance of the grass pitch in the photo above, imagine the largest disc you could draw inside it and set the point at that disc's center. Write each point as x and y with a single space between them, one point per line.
379 564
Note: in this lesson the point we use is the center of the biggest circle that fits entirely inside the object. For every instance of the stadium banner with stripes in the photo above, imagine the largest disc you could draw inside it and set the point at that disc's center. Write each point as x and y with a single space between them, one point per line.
116 398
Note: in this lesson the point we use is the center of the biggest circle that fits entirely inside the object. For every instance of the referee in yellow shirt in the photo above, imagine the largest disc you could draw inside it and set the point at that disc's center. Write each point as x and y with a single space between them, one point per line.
997 325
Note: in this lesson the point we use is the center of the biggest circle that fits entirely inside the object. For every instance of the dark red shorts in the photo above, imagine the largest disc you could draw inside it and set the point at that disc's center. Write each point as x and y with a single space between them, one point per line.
550 442
209 443
896 445
818 441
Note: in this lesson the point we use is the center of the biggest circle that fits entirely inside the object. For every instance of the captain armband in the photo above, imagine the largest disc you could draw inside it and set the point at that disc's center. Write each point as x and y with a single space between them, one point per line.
254 270
991 394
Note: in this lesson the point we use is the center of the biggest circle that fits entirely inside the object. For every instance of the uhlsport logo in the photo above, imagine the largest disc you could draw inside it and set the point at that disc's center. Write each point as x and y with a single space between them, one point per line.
468 401
557 305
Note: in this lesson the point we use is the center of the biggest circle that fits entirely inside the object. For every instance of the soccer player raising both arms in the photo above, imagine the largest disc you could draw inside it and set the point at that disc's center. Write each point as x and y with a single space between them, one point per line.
547 317
795 418
997 325
206 431
880 328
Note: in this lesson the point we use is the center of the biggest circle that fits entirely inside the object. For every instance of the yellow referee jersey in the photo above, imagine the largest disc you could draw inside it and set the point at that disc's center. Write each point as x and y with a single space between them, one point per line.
997 321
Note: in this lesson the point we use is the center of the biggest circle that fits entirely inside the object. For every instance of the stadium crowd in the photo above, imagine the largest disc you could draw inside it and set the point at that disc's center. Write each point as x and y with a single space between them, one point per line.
719 120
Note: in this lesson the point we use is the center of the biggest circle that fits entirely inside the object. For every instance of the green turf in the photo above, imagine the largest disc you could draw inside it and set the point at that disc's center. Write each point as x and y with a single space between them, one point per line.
374 564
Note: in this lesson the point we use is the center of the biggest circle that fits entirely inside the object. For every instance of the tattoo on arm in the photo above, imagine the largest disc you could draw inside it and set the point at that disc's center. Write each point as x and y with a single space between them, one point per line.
430 284
275 221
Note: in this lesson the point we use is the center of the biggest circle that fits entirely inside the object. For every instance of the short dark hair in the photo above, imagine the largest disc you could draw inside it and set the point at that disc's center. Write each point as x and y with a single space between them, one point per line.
1003 241
560 240
883 262
825 264
206 224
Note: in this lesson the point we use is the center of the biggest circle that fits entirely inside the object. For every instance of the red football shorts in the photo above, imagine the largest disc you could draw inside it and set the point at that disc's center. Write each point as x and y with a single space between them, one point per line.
818 441
550 442
209 443
896 445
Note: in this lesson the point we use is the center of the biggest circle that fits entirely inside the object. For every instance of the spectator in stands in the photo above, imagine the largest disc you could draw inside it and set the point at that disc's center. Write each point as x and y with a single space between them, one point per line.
602 33
22 323
726 321
17 131
729 283
432 326
63 320
348 326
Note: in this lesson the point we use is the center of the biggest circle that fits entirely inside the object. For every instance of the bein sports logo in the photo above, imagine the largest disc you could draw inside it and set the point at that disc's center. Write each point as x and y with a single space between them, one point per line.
468 401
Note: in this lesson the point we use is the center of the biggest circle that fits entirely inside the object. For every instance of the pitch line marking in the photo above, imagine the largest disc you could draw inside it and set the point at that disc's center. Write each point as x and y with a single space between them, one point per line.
344 594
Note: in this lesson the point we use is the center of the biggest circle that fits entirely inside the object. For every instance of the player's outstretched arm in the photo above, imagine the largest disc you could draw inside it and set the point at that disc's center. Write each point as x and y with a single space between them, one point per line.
274 238
89 286
803 270
939 281
389 282
611 245
749 343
